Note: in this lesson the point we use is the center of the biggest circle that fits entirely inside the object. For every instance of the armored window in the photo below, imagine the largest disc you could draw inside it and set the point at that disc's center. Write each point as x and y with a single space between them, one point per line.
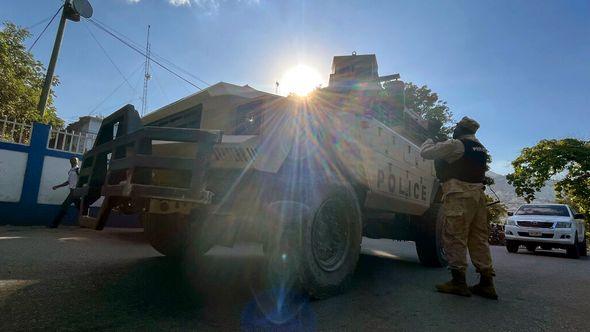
190 118
249 118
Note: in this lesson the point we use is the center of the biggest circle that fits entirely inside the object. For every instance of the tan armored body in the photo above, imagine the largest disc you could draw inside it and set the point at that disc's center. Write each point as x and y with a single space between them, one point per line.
307 177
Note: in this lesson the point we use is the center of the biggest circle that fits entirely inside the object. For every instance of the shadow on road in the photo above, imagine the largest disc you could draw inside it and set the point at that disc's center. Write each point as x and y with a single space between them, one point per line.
548 253
135 236
158 293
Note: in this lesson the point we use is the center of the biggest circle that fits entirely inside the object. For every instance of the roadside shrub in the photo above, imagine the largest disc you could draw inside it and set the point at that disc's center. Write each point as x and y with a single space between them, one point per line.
497 235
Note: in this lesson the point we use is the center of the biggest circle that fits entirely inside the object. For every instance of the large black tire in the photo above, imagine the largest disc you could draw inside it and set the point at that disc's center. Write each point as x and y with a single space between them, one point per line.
573 251
512 246
198 239
429 244
166 232
320 242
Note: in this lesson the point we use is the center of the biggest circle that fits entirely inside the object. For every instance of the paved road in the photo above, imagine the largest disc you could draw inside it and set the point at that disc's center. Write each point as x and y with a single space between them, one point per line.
73 278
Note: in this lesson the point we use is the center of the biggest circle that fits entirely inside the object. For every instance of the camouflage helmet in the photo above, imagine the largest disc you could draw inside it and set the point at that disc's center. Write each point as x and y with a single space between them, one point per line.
469 124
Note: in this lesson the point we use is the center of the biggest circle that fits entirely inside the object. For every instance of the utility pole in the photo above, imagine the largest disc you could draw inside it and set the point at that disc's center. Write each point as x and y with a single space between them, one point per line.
71 10
52 61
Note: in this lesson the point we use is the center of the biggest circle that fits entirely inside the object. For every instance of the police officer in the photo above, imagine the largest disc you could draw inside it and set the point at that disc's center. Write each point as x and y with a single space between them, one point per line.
460 166
71 184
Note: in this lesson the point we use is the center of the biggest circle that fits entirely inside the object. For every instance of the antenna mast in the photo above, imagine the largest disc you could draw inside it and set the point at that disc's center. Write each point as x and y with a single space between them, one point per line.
147 74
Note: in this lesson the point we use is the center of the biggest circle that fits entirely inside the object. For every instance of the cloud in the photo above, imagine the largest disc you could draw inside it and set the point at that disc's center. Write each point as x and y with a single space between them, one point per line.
209 6
178 3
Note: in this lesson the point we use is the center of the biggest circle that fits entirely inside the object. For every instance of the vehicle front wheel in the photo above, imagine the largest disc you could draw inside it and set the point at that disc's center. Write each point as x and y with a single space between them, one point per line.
166 232
512 246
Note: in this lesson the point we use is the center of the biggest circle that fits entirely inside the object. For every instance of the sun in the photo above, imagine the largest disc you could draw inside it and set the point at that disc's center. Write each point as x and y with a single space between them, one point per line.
300 80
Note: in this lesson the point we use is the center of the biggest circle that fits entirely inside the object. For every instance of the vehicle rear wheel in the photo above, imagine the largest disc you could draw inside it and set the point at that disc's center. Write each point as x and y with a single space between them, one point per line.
531 247
429 244
573 251
584 247
166 232
512 246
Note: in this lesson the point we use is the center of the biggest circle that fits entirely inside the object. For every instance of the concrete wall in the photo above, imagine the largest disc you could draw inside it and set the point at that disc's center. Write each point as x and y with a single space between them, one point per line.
27 173
55 171
12 174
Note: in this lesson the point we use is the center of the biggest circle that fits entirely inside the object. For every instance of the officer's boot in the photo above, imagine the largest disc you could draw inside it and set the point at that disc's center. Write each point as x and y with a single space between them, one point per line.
485 288
456 286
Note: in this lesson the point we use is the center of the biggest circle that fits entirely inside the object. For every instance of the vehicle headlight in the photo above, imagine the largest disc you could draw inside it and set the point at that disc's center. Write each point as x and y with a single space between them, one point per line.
563 224
510 223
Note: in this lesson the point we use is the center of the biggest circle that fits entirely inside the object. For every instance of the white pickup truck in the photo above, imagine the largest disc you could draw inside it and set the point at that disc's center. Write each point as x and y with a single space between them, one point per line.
548 226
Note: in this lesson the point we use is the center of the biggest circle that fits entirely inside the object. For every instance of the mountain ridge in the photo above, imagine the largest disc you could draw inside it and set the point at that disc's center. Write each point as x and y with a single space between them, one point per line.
508 196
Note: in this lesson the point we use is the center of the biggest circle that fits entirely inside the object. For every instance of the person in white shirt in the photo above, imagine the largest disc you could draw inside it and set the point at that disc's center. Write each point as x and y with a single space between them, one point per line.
71 184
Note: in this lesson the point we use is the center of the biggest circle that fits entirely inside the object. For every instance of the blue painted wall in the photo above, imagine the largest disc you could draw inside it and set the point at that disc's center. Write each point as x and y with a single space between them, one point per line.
27 211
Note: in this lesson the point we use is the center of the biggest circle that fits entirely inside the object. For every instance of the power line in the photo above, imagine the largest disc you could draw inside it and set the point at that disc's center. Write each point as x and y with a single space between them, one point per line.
136 49
160 86
131 41
153 55
34 25
110 59
114 91
44 29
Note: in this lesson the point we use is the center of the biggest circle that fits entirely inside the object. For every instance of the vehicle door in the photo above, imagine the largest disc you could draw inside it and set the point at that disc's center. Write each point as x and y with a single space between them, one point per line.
395 168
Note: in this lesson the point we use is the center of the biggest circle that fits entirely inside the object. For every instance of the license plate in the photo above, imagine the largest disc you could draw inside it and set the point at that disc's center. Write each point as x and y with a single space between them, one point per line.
535 233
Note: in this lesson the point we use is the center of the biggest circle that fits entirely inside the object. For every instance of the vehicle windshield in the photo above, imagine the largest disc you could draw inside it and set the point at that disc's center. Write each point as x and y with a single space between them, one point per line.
543 210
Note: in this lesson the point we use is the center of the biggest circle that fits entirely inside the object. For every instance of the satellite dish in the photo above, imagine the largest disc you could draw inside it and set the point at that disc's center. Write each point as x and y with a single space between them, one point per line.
83 8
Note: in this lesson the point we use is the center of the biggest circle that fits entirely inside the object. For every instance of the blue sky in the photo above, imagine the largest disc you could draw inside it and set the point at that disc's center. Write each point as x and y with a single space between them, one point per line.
521 68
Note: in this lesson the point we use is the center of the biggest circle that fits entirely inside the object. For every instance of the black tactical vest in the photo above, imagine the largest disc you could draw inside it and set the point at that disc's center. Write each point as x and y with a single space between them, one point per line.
471 167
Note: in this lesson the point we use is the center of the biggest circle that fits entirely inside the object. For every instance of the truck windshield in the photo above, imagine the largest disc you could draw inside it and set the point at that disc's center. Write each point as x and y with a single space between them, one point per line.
543 210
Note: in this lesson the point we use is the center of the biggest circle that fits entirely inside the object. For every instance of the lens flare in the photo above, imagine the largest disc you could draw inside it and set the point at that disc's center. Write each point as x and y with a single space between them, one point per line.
300 80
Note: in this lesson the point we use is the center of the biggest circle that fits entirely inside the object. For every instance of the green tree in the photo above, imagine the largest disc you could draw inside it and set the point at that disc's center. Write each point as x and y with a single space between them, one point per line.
21 79
567 159
496 212
429 107
426 104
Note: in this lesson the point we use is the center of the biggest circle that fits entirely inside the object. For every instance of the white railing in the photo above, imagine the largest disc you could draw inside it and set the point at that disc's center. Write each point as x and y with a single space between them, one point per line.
15 132
70 141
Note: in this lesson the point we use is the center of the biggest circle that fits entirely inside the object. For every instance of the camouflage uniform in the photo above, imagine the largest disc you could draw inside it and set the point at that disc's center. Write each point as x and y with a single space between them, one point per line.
464 204
466 226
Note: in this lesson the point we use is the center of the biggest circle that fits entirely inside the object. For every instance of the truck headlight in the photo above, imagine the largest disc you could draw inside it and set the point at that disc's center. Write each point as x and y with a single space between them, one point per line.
510 223
563 224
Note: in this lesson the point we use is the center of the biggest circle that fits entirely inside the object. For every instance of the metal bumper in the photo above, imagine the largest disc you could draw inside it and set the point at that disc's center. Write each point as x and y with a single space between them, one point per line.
121 168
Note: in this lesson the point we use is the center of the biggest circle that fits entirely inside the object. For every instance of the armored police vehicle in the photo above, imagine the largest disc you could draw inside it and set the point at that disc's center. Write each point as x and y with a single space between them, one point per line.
307 177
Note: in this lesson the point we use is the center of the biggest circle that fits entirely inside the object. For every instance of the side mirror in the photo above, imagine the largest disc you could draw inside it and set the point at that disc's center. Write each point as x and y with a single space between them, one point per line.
510 213
579 216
